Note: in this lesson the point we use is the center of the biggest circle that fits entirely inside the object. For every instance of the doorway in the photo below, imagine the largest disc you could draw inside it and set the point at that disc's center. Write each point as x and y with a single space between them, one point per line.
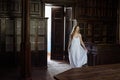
58 28
48 15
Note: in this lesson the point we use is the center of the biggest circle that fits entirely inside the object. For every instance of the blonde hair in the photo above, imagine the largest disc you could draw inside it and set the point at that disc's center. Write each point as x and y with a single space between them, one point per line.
73 31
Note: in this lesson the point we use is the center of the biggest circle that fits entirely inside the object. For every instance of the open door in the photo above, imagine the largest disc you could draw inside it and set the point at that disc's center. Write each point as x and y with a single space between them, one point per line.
57 36
68 28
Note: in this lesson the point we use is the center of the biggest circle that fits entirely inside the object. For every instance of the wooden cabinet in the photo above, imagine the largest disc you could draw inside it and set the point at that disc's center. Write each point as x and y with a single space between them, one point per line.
38 39
97 20
10 41
10 32
96 8
98 32
103 54
8 54
98 24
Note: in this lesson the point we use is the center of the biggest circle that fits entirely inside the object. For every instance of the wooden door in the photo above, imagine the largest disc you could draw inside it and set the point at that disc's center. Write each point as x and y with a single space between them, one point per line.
38 39
57 37
8 56
68 28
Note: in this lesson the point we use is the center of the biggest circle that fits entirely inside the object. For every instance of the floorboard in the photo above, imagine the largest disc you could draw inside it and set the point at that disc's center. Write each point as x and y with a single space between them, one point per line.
38 73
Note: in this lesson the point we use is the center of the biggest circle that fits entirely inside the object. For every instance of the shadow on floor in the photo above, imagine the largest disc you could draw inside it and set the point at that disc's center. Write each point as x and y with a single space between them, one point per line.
53 68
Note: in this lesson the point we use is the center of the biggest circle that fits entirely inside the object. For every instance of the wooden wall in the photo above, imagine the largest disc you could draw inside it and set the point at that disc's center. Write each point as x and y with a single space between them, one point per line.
97 20
100 54
10 32
118 22
59 2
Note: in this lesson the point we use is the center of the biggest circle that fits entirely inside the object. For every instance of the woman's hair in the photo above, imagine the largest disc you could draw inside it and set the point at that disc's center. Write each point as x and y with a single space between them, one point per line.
73 31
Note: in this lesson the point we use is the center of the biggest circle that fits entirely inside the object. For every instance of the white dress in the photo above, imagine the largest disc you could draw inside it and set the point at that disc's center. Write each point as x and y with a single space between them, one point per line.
77 54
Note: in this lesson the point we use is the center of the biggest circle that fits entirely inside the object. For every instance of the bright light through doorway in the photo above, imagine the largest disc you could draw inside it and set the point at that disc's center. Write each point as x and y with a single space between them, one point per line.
48 15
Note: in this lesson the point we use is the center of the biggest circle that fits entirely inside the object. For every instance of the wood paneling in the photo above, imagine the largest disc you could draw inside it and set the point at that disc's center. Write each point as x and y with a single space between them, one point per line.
38 39
97 20
10 31
12 8
59 1
98 32
100 54
7 42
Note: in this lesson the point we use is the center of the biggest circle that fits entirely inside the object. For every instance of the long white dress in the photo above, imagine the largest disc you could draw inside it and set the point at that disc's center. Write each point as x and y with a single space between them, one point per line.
77 54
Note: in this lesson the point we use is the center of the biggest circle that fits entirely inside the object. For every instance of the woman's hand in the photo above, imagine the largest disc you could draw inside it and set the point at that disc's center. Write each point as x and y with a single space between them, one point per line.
86 49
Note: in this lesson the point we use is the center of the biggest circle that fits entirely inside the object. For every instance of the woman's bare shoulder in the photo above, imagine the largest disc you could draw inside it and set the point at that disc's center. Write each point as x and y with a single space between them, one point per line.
79 35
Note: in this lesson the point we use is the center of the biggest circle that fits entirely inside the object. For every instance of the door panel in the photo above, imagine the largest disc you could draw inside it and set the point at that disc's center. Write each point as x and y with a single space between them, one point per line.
68 28
38 39
8 56
57 42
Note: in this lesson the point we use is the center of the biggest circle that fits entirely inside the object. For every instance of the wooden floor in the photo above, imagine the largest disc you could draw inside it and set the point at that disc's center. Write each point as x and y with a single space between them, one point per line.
101 72
58 68
54 68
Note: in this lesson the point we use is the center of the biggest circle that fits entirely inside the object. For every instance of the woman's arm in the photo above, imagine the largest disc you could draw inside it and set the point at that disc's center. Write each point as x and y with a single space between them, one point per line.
82 43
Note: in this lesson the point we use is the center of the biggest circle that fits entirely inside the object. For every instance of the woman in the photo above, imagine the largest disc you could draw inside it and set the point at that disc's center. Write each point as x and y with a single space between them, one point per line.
76 49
